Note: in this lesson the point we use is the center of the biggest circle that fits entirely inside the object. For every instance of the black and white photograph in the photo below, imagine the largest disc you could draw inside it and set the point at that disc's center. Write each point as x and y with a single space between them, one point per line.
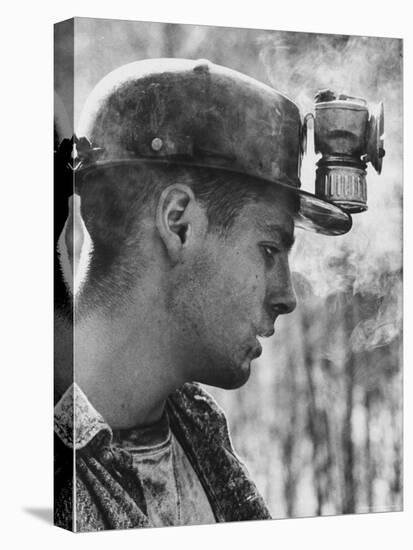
227 274
205 275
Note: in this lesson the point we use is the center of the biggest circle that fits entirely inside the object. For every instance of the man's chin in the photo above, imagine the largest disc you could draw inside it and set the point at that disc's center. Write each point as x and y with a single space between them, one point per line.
238 383
232 379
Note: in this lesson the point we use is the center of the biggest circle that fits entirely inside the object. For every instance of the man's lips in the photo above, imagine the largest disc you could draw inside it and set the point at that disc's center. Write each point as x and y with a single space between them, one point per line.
256 350
266 333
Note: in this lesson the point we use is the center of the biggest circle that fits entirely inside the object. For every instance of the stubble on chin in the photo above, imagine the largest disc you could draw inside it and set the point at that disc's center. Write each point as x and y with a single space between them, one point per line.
236 374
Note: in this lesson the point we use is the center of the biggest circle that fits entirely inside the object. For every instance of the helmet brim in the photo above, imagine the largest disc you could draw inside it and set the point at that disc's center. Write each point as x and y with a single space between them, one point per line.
321 216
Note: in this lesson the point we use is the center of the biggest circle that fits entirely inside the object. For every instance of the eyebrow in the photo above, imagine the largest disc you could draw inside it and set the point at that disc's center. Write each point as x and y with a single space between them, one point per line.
277 232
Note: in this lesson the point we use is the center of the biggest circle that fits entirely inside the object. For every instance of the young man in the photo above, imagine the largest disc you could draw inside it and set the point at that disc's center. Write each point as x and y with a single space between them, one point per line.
172 258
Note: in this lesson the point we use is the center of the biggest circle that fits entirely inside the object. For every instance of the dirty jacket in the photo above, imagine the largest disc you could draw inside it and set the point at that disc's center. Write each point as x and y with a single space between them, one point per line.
108 492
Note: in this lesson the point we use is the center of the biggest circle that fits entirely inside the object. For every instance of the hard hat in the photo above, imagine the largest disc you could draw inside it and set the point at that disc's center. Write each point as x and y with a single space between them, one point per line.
200 114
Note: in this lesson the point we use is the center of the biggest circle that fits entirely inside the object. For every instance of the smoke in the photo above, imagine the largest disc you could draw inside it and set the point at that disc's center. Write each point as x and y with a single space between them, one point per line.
366 262
300 64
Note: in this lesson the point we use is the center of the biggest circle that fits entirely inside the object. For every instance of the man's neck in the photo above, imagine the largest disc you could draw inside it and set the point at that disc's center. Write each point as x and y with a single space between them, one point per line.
126 371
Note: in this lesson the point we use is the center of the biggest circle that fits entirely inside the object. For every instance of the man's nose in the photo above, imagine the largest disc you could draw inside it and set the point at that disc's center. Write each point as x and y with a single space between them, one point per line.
282 297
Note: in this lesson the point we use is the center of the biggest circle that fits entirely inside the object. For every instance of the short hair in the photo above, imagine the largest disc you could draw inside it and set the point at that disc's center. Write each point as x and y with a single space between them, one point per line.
115 199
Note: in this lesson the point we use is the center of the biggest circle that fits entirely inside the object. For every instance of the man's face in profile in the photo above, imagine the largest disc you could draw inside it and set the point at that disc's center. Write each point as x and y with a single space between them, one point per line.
236 288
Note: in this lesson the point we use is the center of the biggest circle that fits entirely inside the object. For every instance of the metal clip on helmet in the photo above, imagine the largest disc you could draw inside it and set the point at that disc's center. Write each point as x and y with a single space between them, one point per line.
199 114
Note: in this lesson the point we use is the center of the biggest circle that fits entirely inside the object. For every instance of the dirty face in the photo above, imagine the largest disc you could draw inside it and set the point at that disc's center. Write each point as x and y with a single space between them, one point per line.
233 292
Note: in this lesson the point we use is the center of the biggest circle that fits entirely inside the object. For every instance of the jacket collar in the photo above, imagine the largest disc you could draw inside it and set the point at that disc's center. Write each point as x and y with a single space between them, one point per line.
77 422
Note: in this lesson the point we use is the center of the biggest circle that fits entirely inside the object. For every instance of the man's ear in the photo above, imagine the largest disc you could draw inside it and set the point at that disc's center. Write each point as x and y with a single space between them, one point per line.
180 220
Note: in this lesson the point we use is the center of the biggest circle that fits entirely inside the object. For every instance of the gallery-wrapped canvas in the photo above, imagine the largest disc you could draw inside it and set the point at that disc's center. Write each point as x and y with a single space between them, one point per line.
228 274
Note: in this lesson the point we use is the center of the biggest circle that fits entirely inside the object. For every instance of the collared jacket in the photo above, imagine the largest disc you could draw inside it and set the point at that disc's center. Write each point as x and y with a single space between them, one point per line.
108 494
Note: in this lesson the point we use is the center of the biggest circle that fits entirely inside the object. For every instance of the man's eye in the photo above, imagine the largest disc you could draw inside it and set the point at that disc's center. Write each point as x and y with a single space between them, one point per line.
270 251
